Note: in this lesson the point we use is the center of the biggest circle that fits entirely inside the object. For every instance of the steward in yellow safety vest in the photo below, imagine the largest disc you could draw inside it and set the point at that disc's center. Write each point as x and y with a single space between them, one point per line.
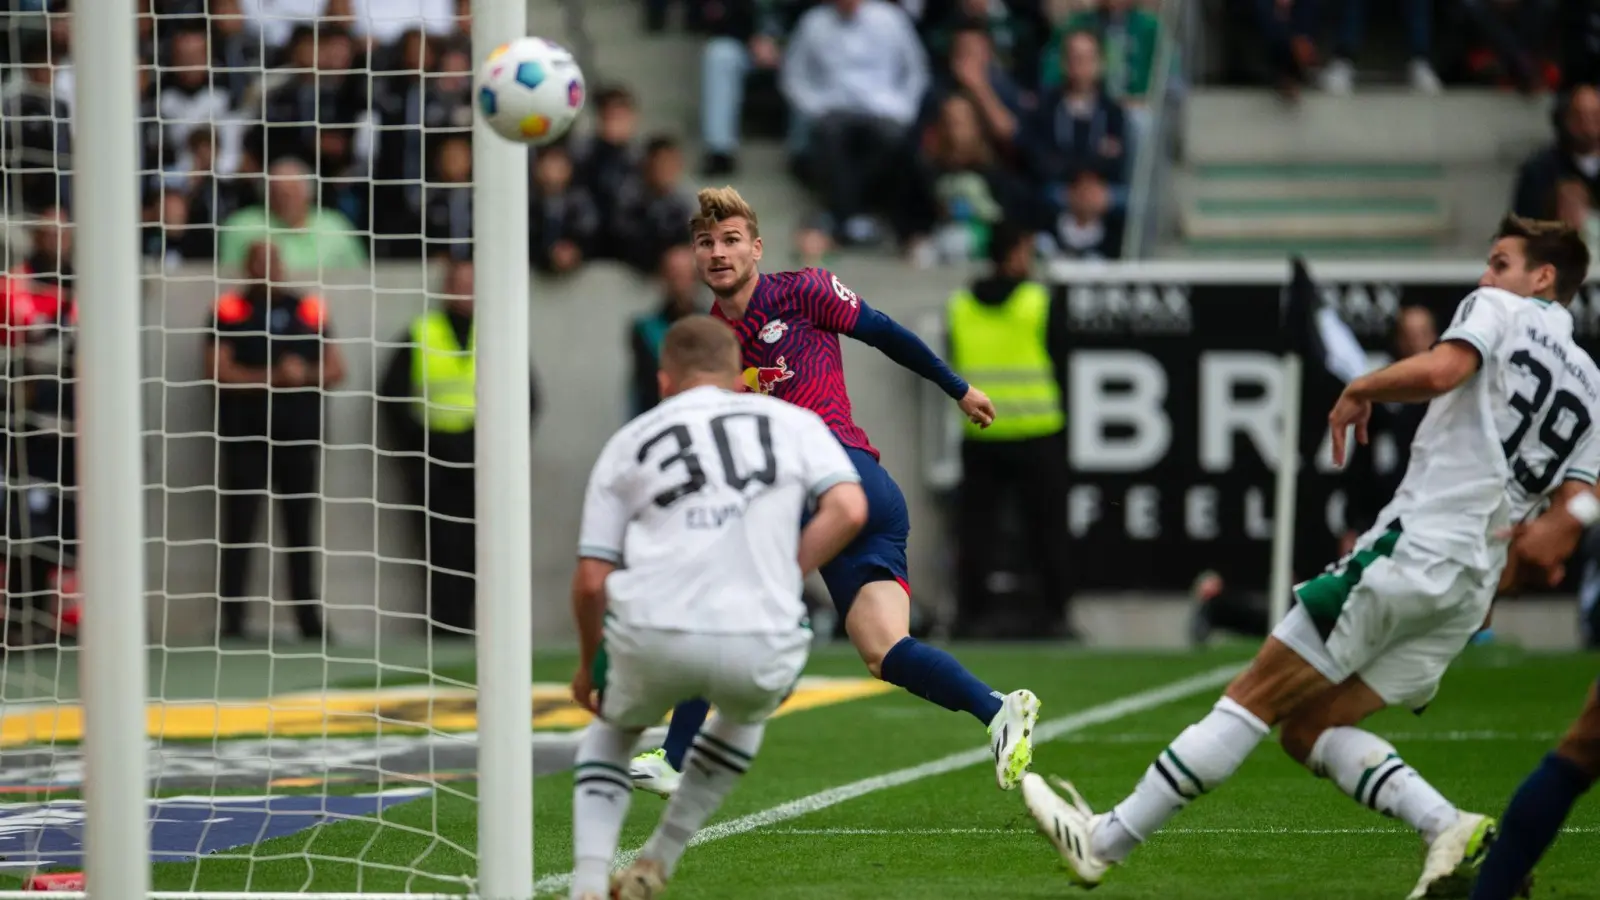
1007 339
429 400
999 335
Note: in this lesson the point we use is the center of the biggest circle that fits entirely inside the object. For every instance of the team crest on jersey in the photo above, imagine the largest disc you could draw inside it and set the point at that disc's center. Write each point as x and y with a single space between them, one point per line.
762 379
773 331
845 293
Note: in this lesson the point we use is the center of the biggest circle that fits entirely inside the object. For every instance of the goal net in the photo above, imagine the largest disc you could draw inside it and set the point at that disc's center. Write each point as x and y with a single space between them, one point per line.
308 451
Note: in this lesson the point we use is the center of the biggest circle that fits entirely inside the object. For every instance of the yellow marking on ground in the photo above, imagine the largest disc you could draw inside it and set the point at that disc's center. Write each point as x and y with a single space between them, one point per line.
393 710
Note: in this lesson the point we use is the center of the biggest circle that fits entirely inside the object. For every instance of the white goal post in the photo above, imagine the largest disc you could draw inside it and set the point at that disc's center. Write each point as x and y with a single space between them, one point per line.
133 734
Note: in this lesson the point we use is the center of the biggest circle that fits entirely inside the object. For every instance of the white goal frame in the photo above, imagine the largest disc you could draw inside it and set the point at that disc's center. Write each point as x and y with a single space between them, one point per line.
113 635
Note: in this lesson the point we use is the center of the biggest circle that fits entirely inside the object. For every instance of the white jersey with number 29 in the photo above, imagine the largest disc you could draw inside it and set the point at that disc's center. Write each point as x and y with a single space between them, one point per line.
1490 452
699 503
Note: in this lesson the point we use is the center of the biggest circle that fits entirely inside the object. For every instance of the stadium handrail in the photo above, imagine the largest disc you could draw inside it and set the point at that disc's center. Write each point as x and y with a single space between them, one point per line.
1145 207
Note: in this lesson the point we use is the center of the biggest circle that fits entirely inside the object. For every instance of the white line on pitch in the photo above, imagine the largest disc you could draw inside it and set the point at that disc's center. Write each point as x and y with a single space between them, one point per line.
1398 736
844 832
1046 731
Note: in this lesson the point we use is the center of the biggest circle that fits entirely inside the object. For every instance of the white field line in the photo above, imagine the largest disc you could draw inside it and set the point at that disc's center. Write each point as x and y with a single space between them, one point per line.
848 832
1396 737
1045 731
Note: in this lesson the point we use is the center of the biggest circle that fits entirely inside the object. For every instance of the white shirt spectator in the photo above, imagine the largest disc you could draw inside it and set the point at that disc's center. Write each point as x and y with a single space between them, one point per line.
385 20
382 20
871 63
275 20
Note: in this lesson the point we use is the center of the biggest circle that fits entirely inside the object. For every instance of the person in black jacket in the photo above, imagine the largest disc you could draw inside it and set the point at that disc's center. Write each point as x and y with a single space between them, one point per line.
438 455
1079 126
1574 154
270 357
680 289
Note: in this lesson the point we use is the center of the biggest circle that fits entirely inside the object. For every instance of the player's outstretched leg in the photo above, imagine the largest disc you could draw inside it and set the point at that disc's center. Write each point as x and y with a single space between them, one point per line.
658 770
1368 768
1206 754
721 754
601 793
1321 735
1540 805
1198 760
879 623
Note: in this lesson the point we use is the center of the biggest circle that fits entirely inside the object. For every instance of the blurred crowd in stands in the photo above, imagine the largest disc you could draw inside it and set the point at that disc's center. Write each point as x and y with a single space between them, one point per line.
926 121
916 123
1527 45
348 137
931 121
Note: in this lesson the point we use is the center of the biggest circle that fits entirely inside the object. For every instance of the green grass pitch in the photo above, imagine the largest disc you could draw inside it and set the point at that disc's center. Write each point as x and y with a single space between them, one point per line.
1273 831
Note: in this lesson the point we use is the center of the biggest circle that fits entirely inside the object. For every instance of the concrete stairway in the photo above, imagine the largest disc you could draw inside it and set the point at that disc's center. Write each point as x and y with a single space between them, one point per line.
1384 172
663 71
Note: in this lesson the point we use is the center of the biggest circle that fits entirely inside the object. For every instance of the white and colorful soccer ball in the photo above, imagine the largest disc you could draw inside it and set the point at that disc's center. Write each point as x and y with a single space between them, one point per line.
530 90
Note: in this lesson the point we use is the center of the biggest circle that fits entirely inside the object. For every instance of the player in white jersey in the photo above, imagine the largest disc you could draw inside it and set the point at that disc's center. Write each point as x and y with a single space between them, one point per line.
1513 404
691 556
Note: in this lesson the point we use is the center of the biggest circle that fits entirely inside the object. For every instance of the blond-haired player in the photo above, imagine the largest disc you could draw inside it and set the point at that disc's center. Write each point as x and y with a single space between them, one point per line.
788 325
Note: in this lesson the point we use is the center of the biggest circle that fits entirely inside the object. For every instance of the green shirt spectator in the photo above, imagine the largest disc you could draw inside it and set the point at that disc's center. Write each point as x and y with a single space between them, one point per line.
307 237
1129 36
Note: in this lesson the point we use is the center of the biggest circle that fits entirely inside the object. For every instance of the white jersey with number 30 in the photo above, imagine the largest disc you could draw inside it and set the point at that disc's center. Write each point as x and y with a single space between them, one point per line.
1490 452
699 502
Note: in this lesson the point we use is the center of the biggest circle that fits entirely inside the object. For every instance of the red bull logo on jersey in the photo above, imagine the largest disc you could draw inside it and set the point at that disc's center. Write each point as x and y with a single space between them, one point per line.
773 331
762 379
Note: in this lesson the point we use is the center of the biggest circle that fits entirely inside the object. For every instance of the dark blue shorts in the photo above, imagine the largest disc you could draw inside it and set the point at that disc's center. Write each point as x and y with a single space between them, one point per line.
878 553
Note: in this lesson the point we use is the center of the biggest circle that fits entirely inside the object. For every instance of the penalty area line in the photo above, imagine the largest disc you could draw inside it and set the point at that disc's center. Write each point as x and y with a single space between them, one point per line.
1047 730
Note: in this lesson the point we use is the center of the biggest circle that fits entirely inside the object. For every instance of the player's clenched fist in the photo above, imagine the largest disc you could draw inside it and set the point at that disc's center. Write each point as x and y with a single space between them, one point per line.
977 406
583 692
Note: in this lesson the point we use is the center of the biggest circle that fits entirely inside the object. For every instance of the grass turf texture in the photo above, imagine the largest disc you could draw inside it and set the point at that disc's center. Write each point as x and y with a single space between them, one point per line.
957 836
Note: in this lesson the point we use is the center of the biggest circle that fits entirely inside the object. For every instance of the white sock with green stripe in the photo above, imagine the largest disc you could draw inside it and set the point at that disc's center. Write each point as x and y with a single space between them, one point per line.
1202 757
1367 768
601 793
721 754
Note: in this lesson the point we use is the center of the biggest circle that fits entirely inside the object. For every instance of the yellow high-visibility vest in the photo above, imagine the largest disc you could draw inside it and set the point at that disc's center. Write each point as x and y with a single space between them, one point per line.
444 375
1001 349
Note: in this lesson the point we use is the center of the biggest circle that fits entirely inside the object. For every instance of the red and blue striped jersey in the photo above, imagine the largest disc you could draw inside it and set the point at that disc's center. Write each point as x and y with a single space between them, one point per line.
790 338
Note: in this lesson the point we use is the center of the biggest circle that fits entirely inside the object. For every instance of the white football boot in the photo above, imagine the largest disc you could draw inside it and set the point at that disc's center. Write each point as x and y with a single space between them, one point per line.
1069 826
643 879
1454 857
1011 737
650 772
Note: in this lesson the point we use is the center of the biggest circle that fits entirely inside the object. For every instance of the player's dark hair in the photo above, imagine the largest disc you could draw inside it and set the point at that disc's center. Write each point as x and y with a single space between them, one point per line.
613 95
699 344
972 25
1548 243
1004 240
659 144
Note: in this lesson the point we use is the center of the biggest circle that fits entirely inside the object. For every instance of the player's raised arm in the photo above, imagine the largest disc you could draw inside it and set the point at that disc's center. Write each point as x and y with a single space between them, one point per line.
832 306
1479 324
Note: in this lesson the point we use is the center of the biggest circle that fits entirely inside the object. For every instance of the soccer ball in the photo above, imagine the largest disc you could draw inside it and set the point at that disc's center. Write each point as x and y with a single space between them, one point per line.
530 91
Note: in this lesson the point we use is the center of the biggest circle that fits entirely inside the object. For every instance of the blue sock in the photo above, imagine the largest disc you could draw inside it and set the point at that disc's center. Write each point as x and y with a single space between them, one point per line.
1530 823
935 675
685 724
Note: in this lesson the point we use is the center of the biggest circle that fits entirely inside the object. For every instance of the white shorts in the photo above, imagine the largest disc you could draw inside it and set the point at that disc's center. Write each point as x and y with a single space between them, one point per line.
1391 612
648 671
